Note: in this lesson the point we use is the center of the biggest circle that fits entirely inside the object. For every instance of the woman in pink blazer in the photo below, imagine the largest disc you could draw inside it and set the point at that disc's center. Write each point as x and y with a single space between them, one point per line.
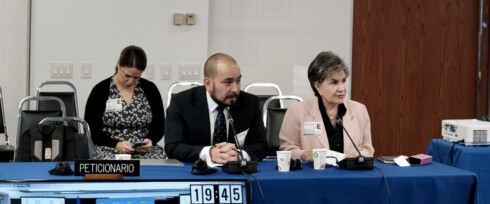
317 122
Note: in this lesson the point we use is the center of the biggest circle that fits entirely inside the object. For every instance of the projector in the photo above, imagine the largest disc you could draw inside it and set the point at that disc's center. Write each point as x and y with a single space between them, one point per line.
466 131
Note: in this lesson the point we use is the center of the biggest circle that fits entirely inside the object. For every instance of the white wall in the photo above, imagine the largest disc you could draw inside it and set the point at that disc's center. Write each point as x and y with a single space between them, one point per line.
272 40
80 31
13 59
275 40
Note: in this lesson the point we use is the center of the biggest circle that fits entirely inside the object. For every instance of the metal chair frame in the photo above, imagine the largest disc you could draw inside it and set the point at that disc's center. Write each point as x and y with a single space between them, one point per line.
36 98
176 84
269 85
86 129
266 104
45 83
273 129
265 85
4 122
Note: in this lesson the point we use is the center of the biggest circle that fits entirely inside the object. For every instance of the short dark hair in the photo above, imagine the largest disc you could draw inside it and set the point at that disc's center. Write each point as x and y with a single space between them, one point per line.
324 66
133 56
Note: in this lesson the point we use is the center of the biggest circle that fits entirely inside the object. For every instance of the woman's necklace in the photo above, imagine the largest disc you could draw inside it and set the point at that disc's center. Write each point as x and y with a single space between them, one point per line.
331 117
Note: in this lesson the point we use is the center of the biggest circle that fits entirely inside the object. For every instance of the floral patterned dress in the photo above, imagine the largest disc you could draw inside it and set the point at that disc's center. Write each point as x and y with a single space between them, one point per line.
131 124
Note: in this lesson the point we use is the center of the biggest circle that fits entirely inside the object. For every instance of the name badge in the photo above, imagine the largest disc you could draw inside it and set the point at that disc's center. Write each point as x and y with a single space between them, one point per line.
124 167
112 105
312 129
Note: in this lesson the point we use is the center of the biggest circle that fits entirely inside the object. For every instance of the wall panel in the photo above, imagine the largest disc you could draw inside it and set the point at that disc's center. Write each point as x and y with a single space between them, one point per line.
414 64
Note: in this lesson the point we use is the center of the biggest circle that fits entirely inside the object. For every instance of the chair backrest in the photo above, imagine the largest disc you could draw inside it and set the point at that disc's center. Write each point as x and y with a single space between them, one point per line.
7 150
69 98
264 97
27 119
272 104
84 143
3 123
171 90
276 115
273 121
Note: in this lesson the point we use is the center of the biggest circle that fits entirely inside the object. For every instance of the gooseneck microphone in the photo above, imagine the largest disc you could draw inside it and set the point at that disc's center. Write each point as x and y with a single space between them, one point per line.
359 162
243 162
242 165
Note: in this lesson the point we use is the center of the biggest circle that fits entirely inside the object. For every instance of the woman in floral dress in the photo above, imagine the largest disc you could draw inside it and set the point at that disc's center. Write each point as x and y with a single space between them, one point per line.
125 109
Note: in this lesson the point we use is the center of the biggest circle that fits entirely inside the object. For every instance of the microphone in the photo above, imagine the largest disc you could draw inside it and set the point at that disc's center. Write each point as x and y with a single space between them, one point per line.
357 163
242 165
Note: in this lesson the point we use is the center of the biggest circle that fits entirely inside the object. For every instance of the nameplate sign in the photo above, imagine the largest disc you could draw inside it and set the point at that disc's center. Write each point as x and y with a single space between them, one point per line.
124 167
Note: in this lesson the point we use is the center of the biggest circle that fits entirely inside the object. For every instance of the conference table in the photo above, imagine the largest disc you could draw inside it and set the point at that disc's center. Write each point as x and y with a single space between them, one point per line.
387 183
471 158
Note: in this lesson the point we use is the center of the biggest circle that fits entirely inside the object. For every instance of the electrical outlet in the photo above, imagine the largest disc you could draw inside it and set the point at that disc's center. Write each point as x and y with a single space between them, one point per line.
190 18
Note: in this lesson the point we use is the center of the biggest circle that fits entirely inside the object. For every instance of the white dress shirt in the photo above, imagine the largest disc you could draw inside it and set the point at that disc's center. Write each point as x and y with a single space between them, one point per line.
213 113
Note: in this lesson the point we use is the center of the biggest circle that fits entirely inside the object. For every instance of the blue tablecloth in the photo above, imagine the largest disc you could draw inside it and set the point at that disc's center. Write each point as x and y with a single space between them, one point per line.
472 158
432 183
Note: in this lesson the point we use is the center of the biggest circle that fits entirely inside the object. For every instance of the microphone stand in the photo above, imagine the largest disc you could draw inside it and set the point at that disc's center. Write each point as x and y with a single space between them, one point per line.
242 165
358 163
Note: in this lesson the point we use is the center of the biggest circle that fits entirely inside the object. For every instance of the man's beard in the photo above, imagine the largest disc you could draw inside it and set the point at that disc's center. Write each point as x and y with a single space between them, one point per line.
219 102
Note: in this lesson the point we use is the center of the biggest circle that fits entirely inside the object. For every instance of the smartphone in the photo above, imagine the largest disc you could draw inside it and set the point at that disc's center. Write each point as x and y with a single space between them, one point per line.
137 144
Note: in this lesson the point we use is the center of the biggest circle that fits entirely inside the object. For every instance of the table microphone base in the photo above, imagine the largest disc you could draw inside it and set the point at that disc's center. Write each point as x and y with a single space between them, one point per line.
354 164
235 167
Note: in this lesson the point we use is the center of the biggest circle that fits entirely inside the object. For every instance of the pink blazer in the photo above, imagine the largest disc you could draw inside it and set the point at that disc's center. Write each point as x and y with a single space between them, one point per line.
356 122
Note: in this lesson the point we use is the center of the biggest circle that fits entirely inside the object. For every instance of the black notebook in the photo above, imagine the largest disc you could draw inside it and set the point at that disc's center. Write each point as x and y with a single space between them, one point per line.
387 159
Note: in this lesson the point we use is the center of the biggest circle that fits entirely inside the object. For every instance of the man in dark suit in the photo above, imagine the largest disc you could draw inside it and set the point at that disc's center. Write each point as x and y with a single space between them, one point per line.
195 121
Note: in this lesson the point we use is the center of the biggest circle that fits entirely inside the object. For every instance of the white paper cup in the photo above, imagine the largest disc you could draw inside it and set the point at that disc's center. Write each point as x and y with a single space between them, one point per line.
123 156
319 158
283 160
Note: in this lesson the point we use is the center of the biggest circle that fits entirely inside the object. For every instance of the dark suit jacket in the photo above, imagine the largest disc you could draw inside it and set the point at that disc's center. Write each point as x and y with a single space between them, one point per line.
187 125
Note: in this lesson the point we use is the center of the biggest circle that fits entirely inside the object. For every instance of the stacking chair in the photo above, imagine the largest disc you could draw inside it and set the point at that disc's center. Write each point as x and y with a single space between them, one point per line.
68 97
264 97
273 121
84 144
171 89
27 119
7 150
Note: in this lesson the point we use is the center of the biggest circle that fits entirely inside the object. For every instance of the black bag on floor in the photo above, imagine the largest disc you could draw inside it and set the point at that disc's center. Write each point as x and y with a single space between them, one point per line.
6 153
